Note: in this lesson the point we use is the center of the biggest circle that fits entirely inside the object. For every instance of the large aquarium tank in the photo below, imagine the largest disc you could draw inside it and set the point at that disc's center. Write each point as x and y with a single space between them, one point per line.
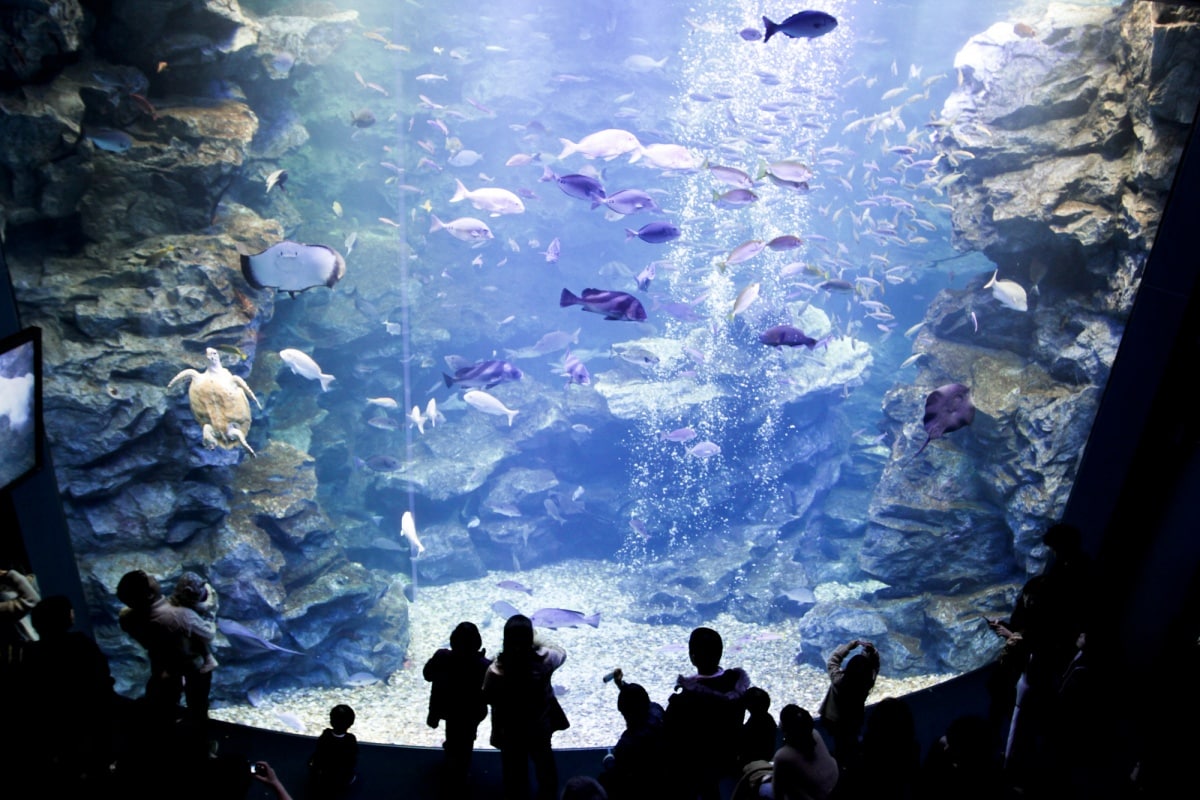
786 320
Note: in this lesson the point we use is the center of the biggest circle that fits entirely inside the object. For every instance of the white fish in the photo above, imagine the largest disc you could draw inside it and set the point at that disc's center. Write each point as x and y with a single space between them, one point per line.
276 178
908 362
665 156
417 418
744 299
464 158
408 528
1009 293
465 229
383 402
606 144
641 63
303 365
491 199
432 415
350 240
705 449
489 405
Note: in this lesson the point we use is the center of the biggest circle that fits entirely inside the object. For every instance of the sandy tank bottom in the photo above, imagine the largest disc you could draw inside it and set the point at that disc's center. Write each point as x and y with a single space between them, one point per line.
394 711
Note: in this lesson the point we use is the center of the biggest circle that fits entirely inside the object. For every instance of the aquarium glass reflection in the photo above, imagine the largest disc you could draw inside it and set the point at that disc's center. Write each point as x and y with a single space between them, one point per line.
630 317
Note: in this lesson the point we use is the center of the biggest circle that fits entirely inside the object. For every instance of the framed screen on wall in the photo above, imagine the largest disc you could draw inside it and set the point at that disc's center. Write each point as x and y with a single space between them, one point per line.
20 406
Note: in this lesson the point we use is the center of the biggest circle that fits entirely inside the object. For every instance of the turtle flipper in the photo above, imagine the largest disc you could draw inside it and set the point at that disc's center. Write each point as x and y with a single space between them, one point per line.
233 433
187 373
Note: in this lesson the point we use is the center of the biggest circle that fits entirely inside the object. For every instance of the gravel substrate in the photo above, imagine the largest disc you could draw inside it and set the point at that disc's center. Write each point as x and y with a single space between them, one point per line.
393 712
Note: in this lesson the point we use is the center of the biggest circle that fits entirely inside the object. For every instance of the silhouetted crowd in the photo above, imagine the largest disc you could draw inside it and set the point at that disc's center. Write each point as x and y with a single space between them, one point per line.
1051 731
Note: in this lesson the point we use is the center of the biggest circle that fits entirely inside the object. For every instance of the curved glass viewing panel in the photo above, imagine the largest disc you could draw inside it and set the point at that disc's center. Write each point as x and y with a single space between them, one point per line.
387 316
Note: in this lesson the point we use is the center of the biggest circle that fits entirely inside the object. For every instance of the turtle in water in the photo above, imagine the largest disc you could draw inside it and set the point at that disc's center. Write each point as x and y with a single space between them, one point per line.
218 400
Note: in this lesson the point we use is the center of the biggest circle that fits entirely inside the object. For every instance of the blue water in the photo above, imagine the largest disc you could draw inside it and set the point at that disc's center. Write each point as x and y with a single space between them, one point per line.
457 83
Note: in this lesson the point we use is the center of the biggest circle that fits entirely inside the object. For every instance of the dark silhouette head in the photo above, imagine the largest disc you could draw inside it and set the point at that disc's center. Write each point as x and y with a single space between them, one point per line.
1065 540
757 700
465 640
581 787
705 648
137 589
53 616
797 726
518 633
858 676
341 717
634 704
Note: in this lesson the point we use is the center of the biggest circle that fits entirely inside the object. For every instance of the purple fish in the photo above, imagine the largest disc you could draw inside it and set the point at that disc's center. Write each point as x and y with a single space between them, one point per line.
644 277
735 198
789 336
628 201
653 232
505 608
612 304
555 618
678 435
801 25
516 587
483 374
575 370
583 187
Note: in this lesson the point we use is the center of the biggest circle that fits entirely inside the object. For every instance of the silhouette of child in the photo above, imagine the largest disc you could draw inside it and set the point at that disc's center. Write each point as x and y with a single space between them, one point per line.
634 766
759 730
456 696
332 764
192 591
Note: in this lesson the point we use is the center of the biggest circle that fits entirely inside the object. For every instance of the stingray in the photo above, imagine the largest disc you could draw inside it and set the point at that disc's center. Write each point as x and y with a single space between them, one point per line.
947 408
291 267
238 634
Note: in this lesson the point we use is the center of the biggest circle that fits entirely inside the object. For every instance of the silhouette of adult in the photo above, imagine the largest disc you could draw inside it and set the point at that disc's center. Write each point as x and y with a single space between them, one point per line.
803 768
890 758
844 707
456 696
166 632
525 712
704 719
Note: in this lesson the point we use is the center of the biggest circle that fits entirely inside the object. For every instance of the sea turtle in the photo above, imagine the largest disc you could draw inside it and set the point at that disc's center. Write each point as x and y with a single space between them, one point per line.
218 400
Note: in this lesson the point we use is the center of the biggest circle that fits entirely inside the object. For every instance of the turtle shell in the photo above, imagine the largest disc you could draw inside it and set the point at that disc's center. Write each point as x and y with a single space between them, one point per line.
217 400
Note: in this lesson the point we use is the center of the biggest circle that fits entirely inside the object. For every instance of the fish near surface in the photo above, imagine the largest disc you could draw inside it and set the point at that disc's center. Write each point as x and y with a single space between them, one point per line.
801 25
947 408
613 305
291 267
